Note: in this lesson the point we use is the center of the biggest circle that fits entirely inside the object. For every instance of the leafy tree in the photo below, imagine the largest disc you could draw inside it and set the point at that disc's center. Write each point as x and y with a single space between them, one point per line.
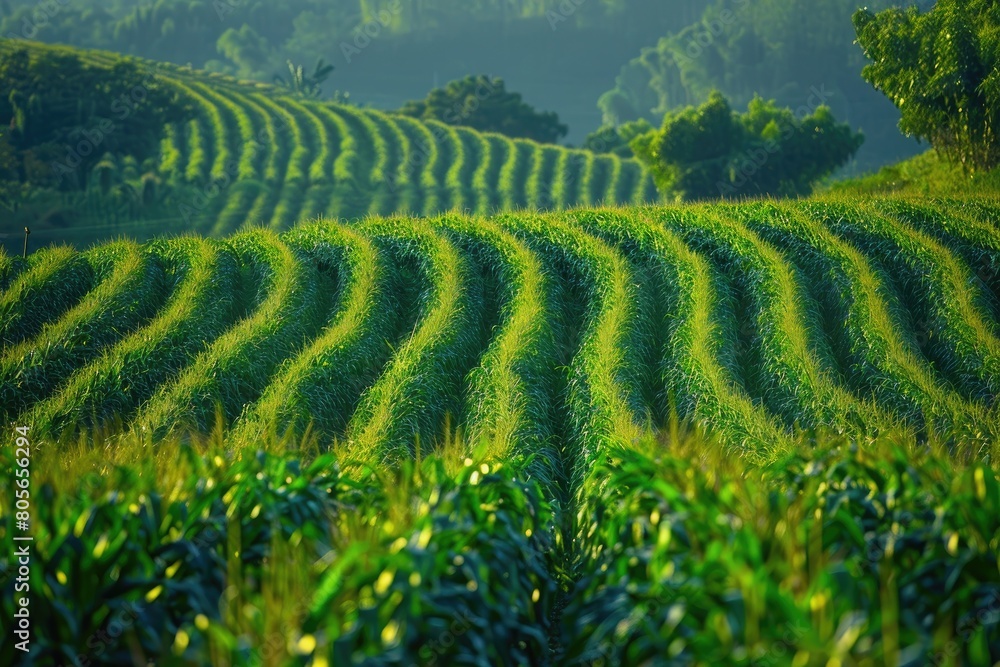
484 104
798 52
615 140
249 52
942 69
60 117
711 151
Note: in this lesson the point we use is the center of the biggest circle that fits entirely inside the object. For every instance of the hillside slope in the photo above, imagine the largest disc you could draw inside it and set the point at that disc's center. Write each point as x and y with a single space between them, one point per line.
254 155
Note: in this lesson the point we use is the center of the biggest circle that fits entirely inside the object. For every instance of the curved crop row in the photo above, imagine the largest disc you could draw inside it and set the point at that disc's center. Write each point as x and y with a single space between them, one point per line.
247 165
694 340
126 299
959 227
293 183
236 367
472 146
422 384
320 175
363 123
275 163
602 392
222 144
890 365
424 157
346 164
454 184
492 175
172 151
205 276
54 279
510 392
940 288
514 172
321 386
798 376
10 268
539 189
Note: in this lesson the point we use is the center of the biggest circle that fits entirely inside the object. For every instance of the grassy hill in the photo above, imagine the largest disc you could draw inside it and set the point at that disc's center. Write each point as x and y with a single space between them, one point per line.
925 174
255 155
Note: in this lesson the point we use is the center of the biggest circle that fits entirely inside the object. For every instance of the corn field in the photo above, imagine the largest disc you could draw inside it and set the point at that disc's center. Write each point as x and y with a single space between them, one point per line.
760 433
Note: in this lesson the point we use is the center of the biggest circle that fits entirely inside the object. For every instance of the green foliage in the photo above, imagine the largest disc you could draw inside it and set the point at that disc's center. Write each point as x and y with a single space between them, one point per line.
223 551
483 103
941 68
927 174
710 151
616 139
61 115
838 552
301 83
541 439
259 154
800 53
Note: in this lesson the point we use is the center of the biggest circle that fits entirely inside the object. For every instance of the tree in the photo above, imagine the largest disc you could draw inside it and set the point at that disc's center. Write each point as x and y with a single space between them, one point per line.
484 104
942 69
246 50
711 151
616 139
59 116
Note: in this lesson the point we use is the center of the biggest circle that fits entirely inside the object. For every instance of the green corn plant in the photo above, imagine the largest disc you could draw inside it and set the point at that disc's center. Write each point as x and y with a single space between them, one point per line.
498 154
601 385
882 362
960 342
471 147
197 166
319 388
699 385
221 136
480 186
799 372
293 183
510 391
540 179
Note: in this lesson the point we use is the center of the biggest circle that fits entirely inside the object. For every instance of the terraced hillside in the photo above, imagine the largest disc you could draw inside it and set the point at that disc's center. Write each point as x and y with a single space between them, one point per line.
526 330
255 155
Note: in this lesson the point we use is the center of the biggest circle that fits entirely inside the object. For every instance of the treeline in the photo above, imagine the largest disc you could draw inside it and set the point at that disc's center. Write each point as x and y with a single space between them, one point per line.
253 38
798 52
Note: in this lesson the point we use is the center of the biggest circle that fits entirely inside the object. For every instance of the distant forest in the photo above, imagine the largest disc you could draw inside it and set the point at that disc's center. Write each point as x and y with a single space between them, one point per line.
253 38
593 62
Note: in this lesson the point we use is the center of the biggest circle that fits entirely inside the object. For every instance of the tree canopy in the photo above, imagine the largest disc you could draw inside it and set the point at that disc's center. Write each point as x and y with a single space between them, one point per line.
483 103
59 117
942 69
786 50
710 151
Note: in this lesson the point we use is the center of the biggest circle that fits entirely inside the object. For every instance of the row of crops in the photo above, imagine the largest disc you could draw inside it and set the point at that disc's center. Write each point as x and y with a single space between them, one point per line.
523 329
495 395
253 155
